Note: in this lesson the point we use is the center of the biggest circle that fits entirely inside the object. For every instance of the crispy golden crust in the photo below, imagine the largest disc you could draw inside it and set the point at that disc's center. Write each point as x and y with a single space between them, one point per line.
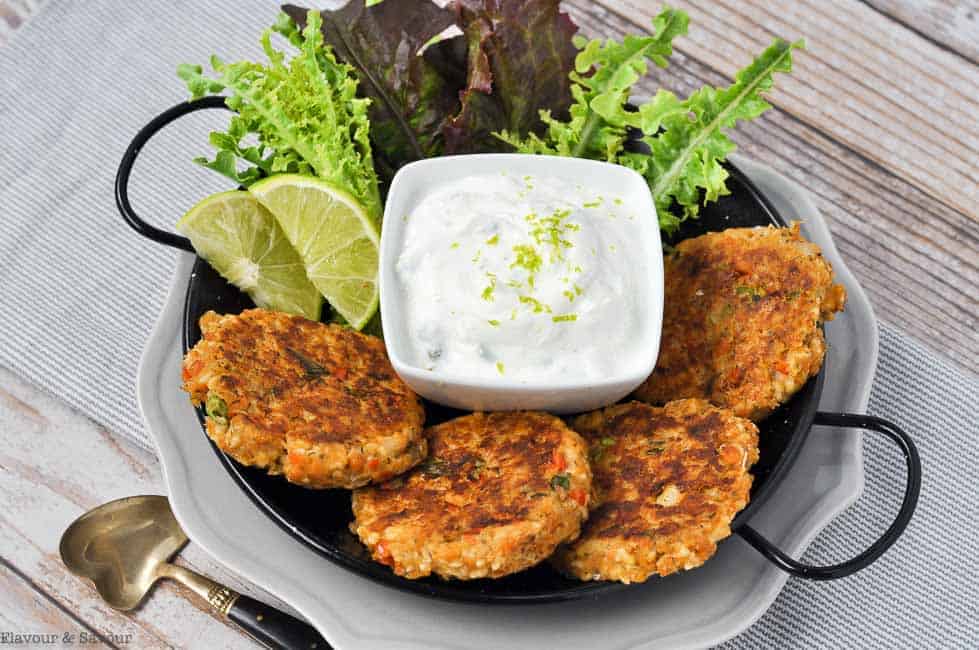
741 321
667 483
485 504
318 403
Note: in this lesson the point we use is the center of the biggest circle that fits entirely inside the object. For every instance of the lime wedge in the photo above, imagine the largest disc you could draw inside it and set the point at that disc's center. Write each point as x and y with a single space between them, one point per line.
244 243
333 235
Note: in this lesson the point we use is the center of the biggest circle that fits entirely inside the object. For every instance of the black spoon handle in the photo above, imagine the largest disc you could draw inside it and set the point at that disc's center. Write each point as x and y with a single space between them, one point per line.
274 628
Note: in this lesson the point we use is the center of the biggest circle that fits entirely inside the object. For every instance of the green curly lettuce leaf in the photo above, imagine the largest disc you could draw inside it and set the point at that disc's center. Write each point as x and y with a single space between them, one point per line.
686 153
684 140
303 115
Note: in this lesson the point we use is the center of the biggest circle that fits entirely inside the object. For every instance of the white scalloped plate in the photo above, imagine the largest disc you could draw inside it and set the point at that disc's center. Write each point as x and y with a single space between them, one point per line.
694 609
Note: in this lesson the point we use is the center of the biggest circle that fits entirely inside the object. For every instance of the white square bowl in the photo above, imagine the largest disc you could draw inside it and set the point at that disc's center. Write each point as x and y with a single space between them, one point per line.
570 394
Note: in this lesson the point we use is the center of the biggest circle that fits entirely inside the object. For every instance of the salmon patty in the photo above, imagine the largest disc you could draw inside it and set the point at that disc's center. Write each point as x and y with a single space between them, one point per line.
317 403
667 483
742 318
497 495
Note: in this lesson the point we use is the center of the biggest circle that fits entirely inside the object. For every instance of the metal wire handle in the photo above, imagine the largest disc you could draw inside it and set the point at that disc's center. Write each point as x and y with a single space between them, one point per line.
129 159
911 490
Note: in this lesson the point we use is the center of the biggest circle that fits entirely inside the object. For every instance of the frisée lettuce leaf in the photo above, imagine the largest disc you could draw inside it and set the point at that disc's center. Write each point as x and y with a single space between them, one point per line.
300 115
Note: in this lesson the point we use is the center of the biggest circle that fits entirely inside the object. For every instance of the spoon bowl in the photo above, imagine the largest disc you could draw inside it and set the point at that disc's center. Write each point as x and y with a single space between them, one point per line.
120 546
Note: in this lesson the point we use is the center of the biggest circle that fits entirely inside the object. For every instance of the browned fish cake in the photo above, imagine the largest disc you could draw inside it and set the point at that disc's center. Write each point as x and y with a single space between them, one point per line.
497 494
741 322
317 403
667 483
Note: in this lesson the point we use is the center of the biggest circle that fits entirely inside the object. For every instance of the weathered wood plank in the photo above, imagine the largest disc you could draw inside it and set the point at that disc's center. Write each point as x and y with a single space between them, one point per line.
916 259
52 470
878 88
951 24
29 618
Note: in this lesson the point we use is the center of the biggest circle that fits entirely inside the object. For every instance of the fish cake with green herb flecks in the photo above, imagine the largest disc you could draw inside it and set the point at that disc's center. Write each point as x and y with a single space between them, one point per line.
317 403
497 494
741 322
667 483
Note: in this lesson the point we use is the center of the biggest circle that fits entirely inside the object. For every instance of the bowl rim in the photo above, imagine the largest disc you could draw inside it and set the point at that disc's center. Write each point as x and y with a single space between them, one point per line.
454 167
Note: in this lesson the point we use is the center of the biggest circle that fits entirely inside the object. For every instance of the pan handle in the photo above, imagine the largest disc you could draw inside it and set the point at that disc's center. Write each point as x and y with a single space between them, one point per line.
912 487
129 159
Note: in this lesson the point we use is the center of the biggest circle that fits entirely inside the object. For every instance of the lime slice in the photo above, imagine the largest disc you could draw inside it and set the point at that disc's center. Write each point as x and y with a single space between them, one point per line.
335 238
244 243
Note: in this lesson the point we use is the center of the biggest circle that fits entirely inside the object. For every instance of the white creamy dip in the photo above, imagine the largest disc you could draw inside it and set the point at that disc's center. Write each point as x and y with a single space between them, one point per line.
527 278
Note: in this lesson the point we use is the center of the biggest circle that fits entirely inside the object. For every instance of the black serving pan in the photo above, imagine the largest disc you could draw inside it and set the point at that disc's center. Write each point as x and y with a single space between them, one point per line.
319 519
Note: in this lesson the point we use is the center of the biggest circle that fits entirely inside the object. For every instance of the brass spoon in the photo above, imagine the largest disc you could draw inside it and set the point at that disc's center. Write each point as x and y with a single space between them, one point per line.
123 547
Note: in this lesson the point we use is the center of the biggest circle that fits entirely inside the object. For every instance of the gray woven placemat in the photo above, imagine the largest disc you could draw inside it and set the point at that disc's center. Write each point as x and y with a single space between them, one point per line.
80 293
923 592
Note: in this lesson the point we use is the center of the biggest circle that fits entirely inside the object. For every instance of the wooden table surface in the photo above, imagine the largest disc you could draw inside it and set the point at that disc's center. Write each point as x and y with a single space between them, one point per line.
878 121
